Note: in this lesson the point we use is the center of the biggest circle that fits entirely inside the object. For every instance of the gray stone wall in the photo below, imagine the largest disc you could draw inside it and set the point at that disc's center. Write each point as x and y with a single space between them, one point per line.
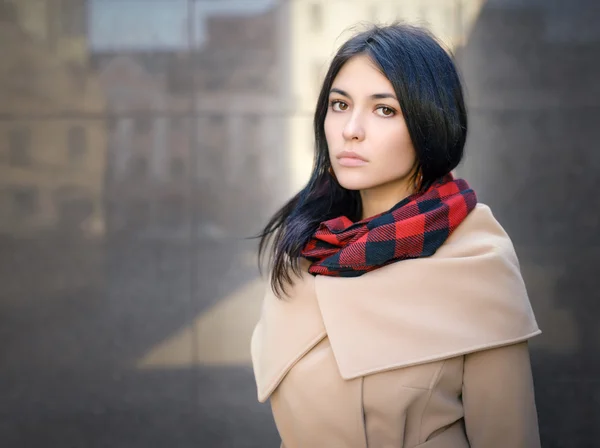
531 70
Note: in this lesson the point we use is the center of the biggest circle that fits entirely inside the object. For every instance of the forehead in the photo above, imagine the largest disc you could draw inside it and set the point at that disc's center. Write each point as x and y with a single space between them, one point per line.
360 74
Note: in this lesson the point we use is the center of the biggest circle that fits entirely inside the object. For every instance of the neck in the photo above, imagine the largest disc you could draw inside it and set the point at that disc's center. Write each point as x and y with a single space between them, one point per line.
383 197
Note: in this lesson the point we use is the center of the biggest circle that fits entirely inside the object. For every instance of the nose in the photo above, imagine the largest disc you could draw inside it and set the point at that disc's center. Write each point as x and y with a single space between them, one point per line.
354 129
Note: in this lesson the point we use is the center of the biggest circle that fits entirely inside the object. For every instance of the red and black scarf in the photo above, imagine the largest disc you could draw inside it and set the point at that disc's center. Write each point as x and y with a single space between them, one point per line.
415 227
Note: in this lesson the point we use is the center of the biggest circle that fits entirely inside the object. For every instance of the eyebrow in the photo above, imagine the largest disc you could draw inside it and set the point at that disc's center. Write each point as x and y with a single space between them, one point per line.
375 96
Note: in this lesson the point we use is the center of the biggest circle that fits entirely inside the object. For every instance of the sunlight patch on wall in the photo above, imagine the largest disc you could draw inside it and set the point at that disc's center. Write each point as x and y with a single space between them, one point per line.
218 337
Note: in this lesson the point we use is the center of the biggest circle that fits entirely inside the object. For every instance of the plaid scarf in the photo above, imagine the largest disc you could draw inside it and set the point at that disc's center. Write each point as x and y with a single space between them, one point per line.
415 227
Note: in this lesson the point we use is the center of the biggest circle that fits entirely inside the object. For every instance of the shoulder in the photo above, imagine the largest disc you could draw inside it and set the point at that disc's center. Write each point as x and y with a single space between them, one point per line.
468 296
479 232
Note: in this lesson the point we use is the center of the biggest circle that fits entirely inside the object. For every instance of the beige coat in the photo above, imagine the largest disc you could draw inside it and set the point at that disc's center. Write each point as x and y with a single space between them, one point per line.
428 353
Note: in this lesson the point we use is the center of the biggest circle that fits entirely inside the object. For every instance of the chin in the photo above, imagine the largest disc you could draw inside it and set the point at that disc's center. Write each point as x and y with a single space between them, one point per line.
356 181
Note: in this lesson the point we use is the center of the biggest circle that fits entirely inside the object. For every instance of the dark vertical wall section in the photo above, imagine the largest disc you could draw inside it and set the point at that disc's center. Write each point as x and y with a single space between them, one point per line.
531 70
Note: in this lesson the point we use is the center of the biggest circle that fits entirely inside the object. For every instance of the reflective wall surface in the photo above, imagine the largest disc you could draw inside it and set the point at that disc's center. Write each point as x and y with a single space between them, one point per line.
531 70
142 141
138 147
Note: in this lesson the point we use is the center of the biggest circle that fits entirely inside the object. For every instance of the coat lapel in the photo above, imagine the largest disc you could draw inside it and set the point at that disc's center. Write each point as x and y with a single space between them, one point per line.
287 330
467 297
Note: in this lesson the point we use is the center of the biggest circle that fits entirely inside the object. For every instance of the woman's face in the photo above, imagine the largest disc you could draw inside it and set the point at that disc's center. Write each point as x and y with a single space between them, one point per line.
369 145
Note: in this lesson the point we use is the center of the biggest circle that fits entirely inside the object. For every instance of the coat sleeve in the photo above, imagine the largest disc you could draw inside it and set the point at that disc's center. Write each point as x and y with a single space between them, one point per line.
499 400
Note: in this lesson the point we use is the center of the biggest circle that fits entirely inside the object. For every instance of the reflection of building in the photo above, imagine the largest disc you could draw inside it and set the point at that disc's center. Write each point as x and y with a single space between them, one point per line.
148 142
241 107
61 25
318 27
51 175
218 108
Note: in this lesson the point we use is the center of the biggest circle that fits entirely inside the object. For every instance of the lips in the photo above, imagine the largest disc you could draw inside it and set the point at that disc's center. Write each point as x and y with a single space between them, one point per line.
350 159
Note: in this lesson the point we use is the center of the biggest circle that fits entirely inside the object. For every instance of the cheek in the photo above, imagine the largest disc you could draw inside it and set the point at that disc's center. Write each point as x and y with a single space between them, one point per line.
396 151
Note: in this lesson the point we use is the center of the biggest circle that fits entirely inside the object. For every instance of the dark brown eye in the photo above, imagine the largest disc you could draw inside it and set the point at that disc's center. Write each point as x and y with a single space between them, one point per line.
386 111
339 106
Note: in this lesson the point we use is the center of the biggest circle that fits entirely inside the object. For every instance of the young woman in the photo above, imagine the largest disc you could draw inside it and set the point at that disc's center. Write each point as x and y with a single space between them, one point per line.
396 314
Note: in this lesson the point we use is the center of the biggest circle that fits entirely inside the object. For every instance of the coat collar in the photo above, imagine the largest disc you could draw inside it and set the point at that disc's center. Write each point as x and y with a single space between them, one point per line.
467 297
287 330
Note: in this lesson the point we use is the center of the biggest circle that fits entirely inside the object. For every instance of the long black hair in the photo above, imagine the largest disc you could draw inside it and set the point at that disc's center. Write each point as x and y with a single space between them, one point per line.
430 94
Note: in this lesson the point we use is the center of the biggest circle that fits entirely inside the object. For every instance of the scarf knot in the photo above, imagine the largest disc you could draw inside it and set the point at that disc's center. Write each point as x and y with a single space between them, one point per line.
414 228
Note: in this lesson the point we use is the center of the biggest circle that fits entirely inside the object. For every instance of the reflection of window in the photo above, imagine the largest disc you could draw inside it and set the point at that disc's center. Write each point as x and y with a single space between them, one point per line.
214 146
252 170
77 145
72 17
138 166
215 162
143 125
253 132
255 81
217 81
139 213
217 120
25 201
216 132
316 17
173 210
177 124
177 167
75 211
180 75
19 144
111 124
